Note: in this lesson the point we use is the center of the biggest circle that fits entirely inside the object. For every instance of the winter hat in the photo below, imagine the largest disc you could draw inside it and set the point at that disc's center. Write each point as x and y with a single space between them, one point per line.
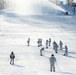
12 52
52 55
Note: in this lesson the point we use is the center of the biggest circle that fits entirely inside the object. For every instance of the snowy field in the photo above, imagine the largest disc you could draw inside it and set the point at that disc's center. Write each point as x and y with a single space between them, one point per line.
41 20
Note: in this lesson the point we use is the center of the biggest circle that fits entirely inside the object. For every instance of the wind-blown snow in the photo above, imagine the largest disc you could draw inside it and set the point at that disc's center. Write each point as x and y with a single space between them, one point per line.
15 30
35 7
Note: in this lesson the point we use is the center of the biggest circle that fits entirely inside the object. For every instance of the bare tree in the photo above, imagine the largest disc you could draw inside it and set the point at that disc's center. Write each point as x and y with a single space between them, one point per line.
2 4
69 2
74 6
55 1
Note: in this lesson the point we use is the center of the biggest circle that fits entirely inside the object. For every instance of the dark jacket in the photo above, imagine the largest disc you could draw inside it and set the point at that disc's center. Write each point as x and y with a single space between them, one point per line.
12 56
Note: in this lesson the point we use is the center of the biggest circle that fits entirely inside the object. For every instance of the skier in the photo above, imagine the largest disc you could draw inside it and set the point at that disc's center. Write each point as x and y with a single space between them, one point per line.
55 46
60 45
38 42
28 42
12 57
52 62
41 51
47 44
66 51
49 41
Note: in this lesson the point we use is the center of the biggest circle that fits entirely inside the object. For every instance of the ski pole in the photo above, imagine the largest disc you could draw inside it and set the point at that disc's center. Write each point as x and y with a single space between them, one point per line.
58 67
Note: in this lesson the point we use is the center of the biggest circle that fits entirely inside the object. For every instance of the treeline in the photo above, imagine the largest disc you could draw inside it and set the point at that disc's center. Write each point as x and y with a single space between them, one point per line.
69 2
55 1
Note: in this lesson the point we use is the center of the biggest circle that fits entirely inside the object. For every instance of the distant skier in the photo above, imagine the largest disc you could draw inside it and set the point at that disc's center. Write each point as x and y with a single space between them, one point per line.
49 41
55 47
41 51
28 41
12 57
52 62
38 42
66 51
60 45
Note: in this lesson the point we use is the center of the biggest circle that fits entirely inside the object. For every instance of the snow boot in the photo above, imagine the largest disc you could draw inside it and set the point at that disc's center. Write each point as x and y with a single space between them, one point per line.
41 55
54 70
51 70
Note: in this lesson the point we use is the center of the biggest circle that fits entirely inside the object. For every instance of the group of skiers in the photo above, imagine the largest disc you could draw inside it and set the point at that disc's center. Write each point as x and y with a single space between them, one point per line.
39 42
52 59
57 47
47 43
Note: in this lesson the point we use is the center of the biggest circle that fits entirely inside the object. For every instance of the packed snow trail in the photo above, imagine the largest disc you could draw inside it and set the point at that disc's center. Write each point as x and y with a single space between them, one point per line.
28 61
14 36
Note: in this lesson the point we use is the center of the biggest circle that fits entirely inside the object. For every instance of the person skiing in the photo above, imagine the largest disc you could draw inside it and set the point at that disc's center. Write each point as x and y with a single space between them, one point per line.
28 41
41 51
52 63
12 57
55 46
60 45
47 44
38 42
66 51
49 41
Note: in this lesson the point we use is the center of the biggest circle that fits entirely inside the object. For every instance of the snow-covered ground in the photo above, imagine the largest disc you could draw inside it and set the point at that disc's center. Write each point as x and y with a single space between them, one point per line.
45 20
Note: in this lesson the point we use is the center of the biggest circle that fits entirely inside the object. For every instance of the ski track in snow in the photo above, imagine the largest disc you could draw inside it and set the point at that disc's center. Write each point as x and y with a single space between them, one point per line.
14 32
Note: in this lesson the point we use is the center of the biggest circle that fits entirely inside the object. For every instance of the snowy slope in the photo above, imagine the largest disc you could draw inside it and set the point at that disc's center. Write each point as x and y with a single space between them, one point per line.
34 7
69 9
16 28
